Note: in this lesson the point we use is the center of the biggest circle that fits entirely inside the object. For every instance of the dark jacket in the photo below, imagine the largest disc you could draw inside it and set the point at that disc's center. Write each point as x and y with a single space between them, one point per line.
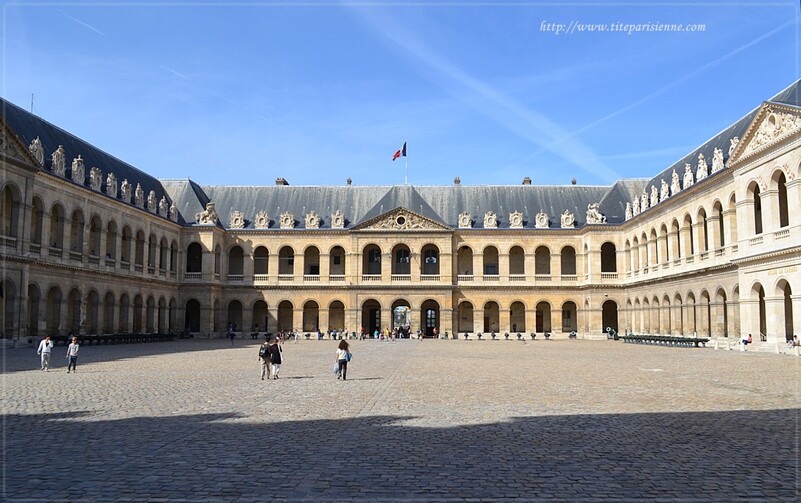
275 354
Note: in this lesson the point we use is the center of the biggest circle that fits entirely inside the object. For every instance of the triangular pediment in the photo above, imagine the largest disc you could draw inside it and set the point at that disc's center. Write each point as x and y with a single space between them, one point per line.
12 148
401 219
773 123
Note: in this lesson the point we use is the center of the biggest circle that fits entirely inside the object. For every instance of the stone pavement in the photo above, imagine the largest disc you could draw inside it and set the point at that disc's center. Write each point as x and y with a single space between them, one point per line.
190 420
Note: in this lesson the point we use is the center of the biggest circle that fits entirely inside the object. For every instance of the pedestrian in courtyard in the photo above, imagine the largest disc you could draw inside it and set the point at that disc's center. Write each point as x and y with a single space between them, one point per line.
276 357
72 355
264 358
44 350
342 357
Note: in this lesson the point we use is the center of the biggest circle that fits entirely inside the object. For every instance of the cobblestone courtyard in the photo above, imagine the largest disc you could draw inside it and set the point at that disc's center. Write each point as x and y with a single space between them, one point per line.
416 421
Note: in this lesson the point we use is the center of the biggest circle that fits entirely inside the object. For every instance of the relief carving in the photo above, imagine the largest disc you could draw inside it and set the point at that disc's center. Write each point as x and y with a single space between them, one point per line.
594 216
516 220
465 222
312 220
287 220
338 220
568 220
775 125
262 221
236 220
490 220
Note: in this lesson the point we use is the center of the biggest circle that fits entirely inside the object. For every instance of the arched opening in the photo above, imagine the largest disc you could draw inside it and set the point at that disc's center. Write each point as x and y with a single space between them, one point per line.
74 311
676 246
311 261
194 258
465 317
92 312
401 314
666 316
236 263
609 257
717 210
125 310
655 318
336 262
76 231
664 243
490 257
172 316
755 196
517 262
108 313
37 221
430 262
192 315
635 254
568 260
429 313
464 261
371 316
111 241
217 261
161 316
125 251
164 253
703 239
10 211
784 290
543 317
152 253
260 316
678 307
569 317
174 257
371 260
139 249
654 241
781 186
721 321
285 316
311 316
759 292
34 308
492 317
234 317
609 315
57 217
689 236
542 261
95 228
138 308
517 316
336 316
261 261
150 315
401 260
54 311
8 297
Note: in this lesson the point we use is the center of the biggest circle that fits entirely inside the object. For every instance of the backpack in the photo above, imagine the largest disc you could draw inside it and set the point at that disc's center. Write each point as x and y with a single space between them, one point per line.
264 351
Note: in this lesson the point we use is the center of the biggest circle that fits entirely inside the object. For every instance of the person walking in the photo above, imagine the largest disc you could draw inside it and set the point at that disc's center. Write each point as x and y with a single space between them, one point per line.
44 350
72 355
276 357
264 358
342 359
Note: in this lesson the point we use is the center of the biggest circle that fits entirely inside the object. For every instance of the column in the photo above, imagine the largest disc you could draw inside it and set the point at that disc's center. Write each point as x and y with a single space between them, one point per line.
503 267
206 319
770 211
416 322
386 316
247 266
299 269
556 265
272 317
322 319
556 320
718 321
325 268
272 268
698 235
478 320
504 320
749 318
445 321
774 317
713 226
297 318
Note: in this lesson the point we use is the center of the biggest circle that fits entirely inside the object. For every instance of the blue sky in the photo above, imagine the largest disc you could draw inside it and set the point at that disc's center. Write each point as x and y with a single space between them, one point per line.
317 93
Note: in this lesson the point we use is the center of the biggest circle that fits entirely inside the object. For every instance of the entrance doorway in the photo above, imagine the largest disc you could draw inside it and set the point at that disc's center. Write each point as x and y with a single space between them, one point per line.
371 316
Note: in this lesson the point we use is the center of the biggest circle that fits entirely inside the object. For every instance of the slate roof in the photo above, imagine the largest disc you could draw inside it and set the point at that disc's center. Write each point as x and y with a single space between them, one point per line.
28 126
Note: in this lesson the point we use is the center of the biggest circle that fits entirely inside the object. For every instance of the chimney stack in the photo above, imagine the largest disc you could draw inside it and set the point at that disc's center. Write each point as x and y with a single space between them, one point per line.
349 181
457 181
526 181
281 181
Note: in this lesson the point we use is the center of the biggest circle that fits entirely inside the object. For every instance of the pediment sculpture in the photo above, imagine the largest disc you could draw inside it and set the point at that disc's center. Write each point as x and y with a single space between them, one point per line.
287 220
164 206
465 222
125 191
37 150
312 220
262 221
733 145
636 206
490 220
139 196
654 196
111 184
152 204
644 201
568 220
702 170
664 193
338 220
675 186
207 216
402 222
594 216
516 220
717 160
95 179
173 212
629 214
78 173
236 220
58 158
688 176
773 126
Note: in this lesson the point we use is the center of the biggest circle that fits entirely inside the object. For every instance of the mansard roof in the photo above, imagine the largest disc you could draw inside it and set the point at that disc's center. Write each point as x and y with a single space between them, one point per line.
28 126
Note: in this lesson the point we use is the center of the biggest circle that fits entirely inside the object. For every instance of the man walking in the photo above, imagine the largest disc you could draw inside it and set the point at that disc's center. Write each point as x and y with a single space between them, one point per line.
72 355
44 349
264 358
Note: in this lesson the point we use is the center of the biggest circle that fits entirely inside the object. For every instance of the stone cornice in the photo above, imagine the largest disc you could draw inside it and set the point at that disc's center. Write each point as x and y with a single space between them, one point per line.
766 258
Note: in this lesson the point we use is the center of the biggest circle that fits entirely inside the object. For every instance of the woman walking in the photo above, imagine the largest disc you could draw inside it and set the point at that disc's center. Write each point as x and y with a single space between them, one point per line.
342 358
276 357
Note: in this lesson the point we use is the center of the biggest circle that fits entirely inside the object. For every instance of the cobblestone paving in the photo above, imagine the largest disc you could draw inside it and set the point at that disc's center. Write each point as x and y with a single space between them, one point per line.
416 421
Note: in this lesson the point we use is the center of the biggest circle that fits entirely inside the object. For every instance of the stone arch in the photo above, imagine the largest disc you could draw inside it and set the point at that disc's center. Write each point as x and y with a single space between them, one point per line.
37 220
138 312
666 316
654 243
127 243
465 316
111 241
429 263
517 316
152 252
217 260
92 312
492 317
542 261
150 315
261 313
664 241
336 315
261 262
689 235
371 316
609 257
753 195
569 316
34 309
543 317
53 310
311 316
778 182
705 308
236 262
74 311
609 315
675 247
194 258
429 316
108 313
517 261
285 316
703 230
678 308
192 315
721 321
490 261
162 320
401 260
336 262
8 297
758 294
371 259
719 220
464 261
164 253
234 316
785 292
637 325
139 249
311 261
10 204
57 223
125 310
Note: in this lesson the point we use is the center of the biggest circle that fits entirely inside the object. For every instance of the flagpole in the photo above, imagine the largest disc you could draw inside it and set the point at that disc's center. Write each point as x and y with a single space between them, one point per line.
406 169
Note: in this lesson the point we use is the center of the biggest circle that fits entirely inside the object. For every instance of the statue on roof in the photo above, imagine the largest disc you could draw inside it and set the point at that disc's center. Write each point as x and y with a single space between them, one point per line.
207 216
594 216
58 161
629 214
164 206
37 150
717 160
139 196
312 220
338 220
465 222
675 187
173 212
635 206
111 185
665 191
733 145
490 220
125 191
78 174
152 204
516 220
568 221
95 179
262 221
644 201
654 196
688 176
702 171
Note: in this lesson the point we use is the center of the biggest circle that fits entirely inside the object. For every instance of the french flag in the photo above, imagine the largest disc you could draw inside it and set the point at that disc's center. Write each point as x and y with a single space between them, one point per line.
401 152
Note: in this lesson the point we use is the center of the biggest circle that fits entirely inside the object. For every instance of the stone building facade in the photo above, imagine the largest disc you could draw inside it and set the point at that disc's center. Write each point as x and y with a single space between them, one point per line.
709 246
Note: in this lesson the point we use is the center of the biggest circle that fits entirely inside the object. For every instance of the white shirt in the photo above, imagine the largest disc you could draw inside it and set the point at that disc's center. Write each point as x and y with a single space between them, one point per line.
72 349
342 354
44 347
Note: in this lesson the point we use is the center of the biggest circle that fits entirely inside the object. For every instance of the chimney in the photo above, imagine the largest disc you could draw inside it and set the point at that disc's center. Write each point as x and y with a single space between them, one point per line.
281 181
573 181
526 181
457 181
349 181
